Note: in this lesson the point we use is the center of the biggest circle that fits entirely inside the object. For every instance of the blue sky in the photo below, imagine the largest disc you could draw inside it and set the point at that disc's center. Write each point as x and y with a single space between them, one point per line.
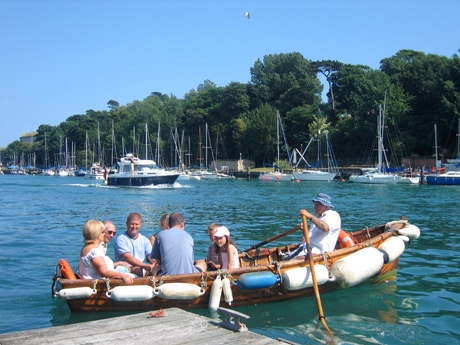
60 58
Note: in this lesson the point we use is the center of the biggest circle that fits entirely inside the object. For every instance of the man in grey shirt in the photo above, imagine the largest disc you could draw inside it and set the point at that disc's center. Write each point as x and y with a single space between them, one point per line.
174 248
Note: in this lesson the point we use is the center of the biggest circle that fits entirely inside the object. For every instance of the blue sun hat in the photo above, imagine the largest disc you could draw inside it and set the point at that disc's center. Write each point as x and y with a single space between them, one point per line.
324 199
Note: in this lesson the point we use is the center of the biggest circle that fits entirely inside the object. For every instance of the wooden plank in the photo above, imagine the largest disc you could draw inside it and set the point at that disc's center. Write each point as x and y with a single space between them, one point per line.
177 327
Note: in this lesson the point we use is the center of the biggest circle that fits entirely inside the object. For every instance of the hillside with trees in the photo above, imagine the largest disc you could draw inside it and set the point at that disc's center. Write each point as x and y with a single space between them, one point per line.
421 90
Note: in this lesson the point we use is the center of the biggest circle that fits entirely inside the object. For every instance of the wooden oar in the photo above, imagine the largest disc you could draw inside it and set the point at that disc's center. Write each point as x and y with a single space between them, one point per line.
258 245
315 283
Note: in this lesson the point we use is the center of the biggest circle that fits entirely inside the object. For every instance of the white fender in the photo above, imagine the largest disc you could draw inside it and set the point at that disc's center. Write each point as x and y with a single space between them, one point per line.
73 293
301 278
357 267
228 295
394 247
131 293
410 230
404 238
178 291
216 292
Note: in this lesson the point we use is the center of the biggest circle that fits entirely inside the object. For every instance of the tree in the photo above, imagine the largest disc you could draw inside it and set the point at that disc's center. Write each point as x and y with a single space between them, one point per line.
285 81
112 104
432 91
326 68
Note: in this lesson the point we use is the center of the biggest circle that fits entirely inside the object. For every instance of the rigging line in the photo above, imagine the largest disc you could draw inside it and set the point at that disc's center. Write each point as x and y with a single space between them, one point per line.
285 142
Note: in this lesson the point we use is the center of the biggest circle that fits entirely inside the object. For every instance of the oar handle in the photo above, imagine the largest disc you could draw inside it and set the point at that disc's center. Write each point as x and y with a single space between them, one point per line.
313 275
258 245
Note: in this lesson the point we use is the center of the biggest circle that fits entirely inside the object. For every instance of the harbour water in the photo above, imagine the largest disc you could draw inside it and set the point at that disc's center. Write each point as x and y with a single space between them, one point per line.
41 220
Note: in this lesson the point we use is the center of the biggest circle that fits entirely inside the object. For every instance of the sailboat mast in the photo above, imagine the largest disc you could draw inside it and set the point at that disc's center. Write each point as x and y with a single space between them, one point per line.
86 151
46 156
206 147
113 139
134 140
199 138
98 144
158 145
66 154
380 139
458 139
146 136
278 138
436 145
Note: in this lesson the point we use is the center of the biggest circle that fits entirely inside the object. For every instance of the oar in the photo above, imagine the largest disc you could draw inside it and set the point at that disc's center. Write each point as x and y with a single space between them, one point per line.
255 246
315 283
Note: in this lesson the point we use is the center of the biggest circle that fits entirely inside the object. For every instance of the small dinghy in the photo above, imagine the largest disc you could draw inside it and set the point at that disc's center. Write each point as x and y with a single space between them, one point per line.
369 255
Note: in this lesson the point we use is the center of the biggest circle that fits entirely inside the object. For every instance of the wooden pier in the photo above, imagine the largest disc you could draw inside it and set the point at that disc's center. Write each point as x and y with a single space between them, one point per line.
176 327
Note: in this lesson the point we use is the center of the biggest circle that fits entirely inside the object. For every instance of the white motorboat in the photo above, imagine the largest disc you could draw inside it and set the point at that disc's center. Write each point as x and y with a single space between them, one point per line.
135 172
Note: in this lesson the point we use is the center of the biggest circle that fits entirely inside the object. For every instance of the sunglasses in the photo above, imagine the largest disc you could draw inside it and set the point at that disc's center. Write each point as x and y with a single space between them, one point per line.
112 232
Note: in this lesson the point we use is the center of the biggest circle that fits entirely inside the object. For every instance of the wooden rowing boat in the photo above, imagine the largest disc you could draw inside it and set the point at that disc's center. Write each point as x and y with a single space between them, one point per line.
372 255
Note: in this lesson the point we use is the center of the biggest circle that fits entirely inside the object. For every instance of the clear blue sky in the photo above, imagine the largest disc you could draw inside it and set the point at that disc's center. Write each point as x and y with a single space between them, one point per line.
60 58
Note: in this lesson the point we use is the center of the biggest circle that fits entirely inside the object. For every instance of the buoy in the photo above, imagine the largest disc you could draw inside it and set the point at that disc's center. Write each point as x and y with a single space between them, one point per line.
357 267
394 247
256 280
216 292
278 177
301 277
404 238
131 293
178 291
65 270
297 180
269 178
345 239
410 230
228 295
74 293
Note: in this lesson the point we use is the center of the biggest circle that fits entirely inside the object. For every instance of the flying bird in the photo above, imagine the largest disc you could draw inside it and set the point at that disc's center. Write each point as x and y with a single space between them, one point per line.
247 15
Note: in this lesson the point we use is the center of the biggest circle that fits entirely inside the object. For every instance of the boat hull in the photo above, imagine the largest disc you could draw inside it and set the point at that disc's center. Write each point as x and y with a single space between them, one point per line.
443 180
265 261
141 180
375 179
314 175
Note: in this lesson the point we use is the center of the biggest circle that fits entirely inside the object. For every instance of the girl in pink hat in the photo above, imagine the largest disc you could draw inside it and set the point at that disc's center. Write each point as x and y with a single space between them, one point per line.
226 249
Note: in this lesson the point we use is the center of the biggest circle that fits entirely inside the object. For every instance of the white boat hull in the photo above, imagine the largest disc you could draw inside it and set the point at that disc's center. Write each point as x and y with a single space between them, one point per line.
409 180
95 176
314 175
375 179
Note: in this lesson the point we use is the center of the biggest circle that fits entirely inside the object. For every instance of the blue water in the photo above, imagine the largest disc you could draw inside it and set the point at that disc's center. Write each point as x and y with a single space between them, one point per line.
41 220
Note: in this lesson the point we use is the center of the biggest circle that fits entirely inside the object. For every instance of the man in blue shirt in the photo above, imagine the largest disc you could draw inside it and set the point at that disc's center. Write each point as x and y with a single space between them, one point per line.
134 247
174 248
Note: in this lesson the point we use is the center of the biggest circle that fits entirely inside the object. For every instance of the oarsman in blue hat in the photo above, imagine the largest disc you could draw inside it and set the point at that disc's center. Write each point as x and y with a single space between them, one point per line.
324 229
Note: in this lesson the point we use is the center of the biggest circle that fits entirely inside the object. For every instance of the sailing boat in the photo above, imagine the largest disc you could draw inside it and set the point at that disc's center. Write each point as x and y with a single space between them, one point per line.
451 177
313 174
62 171
184 175
47 171
96 172
377 176
205 174
276 174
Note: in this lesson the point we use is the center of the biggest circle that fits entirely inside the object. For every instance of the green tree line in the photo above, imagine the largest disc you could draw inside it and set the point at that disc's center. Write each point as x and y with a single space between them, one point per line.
419 91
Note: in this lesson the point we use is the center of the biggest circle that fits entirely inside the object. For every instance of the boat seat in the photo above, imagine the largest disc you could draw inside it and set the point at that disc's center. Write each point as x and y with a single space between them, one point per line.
257 257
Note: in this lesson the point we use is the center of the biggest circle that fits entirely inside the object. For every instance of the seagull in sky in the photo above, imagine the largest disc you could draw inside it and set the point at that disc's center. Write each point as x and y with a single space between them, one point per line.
247 15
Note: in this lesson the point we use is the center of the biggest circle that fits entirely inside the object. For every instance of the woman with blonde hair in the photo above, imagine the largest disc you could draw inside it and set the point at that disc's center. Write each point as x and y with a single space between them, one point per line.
92 263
